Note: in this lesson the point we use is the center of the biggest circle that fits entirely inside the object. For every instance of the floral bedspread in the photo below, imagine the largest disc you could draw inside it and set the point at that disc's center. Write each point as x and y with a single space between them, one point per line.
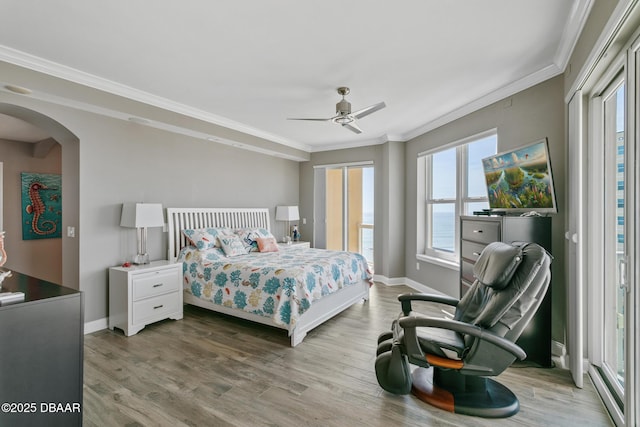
281 285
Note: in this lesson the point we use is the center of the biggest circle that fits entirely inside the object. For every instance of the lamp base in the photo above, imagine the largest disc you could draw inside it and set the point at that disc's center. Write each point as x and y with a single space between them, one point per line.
141 259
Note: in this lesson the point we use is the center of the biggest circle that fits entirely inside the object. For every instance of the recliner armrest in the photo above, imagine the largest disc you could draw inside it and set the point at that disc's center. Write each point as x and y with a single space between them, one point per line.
463 328
405 300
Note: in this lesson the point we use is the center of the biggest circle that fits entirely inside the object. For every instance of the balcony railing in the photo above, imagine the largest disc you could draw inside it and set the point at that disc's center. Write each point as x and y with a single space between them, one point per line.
365 241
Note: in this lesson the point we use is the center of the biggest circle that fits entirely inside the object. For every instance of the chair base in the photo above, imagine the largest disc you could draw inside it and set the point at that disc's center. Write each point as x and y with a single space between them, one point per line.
464 394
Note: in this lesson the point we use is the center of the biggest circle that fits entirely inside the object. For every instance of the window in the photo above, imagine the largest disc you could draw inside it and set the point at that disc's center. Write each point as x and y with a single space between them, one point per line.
450 183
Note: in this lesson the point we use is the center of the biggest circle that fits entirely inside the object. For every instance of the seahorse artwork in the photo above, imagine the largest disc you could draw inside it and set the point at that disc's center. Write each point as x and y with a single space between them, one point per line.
42 206
37 208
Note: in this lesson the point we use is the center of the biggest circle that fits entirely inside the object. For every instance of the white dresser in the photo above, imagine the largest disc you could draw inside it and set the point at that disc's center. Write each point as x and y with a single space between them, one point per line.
143 294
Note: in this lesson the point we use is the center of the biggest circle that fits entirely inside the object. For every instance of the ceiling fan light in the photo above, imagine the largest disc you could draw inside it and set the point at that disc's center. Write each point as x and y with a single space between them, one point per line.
343 120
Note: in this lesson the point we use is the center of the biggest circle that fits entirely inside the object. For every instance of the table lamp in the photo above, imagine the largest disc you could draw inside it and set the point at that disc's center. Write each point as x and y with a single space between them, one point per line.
287 213
142 216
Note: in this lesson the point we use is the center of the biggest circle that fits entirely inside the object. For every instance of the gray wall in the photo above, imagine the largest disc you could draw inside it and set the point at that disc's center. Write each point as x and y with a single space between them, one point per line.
41 258
118 161
525 117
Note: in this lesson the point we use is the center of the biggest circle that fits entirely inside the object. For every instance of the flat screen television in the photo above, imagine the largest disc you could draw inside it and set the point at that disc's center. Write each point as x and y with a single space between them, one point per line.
520 180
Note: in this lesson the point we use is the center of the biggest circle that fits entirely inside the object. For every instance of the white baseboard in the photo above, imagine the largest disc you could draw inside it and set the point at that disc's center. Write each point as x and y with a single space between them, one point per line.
389 282
95 325
559 355
405 281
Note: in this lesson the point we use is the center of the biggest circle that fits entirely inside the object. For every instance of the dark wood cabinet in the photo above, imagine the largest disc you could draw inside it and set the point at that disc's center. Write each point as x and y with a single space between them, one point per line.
479 231
41 354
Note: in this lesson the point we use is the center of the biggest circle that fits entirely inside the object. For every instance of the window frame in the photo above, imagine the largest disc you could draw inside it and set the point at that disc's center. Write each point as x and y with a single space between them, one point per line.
425 252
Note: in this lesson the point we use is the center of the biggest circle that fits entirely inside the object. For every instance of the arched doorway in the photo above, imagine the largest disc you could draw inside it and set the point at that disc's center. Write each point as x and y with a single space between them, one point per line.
70 185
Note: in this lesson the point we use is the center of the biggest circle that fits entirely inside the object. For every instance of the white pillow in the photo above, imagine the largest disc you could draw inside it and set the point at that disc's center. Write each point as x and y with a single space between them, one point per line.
232 245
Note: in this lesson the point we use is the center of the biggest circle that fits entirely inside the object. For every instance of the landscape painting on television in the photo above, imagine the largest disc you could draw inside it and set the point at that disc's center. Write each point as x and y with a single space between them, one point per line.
520 180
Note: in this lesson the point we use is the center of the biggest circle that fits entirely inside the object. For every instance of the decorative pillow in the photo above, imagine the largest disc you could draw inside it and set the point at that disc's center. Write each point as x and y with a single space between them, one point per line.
497 264
232 245
200 238
267 244
205 238
249 237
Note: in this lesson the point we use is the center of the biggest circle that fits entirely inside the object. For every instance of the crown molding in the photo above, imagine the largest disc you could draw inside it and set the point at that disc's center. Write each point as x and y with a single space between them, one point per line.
26 60
486 100
572 30
356 144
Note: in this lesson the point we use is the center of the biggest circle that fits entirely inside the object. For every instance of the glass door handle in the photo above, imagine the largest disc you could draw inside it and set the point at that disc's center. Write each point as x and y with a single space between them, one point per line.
622 271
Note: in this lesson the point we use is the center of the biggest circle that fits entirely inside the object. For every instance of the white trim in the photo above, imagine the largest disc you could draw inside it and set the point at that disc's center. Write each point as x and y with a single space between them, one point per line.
343 165
575 238
61 71
594 229
574 25
467 139
608 34
451 265
606 397
396 281
96 325
500 94
382 139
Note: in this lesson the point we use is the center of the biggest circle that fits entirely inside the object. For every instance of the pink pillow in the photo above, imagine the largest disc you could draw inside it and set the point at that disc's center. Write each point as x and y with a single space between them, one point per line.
267 244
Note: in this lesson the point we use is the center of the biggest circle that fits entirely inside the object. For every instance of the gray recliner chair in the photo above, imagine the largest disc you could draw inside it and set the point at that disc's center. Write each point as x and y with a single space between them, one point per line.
456 356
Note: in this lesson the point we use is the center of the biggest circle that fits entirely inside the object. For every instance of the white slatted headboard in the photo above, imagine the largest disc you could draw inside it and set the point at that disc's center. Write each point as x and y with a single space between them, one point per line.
184 218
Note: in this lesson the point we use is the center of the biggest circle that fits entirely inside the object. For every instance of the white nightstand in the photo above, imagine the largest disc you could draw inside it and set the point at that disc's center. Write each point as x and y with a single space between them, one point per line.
298 244
143 294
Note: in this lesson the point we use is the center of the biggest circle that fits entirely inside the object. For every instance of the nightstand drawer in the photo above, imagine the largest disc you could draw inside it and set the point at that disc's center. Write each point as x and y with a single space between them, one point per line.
155 308
156 283
481 231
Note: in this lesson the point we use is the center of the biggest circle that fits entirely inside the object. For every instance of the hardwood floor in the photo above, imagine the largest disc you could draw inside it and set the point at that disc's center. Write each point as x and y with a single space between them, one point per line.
213 370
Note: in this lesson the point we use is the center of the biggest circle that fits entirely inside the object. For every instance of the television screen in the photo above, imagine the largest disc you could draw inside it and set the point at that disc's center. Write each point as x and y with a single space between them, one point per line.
520 180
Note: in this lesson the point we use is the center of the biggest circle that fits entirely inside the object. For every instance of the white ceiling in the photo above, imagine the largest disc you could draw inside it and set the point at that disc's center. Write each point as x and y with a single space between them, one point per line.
251 64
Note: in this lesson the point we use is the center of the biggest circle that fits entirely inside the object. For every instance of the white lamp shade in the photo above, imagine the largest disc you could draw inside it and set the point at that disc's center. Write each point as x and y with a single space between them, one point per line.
287 213
138 215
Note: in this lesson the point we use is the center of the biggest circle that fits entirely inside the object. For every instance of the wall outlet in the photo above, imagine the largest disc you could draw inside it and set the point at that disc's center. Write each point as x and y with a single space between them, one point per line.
71 231
304 221
417 266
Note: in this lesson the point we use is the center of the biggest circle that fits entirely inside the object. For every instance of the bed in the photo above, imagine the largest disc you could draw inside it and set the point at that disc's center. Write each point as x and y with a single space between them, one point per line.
291 288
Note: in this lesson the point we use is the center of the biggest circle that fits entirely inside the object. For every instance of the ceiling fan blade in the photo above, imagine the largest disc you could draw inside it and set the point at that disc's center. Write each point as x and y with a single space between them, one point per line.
352 127
313 120
368 110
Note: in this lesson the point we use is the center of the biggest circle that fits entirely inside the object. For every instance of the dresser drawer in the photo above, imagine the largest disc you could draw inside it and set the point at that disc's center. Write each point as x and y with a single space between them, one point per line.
471 250
481 231
156 283
466 271
159 307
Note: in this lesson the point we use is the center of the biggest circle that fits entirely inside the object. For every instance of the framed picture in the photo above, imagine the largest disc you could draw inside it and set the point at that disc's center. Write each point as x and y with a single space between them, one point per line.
41 205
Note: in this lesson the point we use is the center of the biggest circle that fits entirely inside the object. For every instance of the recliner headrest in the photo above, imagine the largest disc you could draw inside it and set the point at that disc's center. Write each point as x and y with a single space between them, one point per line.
497 264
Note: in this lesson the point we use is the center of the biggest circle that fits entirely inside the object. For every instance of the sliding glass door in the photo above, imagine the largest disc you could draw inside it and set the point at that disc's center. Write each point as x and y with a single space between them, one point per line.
615 237
612 217
349 209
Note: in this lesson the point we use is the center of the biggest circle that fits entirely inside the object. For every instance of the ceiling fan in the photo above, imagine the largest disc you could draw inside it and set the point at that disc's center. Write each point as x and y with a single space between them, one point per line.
344 116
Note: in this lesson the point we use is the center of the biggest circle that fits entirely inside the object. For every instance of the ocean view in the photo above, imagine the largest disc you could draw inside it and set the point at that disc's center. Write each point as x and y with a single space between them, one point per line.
444 231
